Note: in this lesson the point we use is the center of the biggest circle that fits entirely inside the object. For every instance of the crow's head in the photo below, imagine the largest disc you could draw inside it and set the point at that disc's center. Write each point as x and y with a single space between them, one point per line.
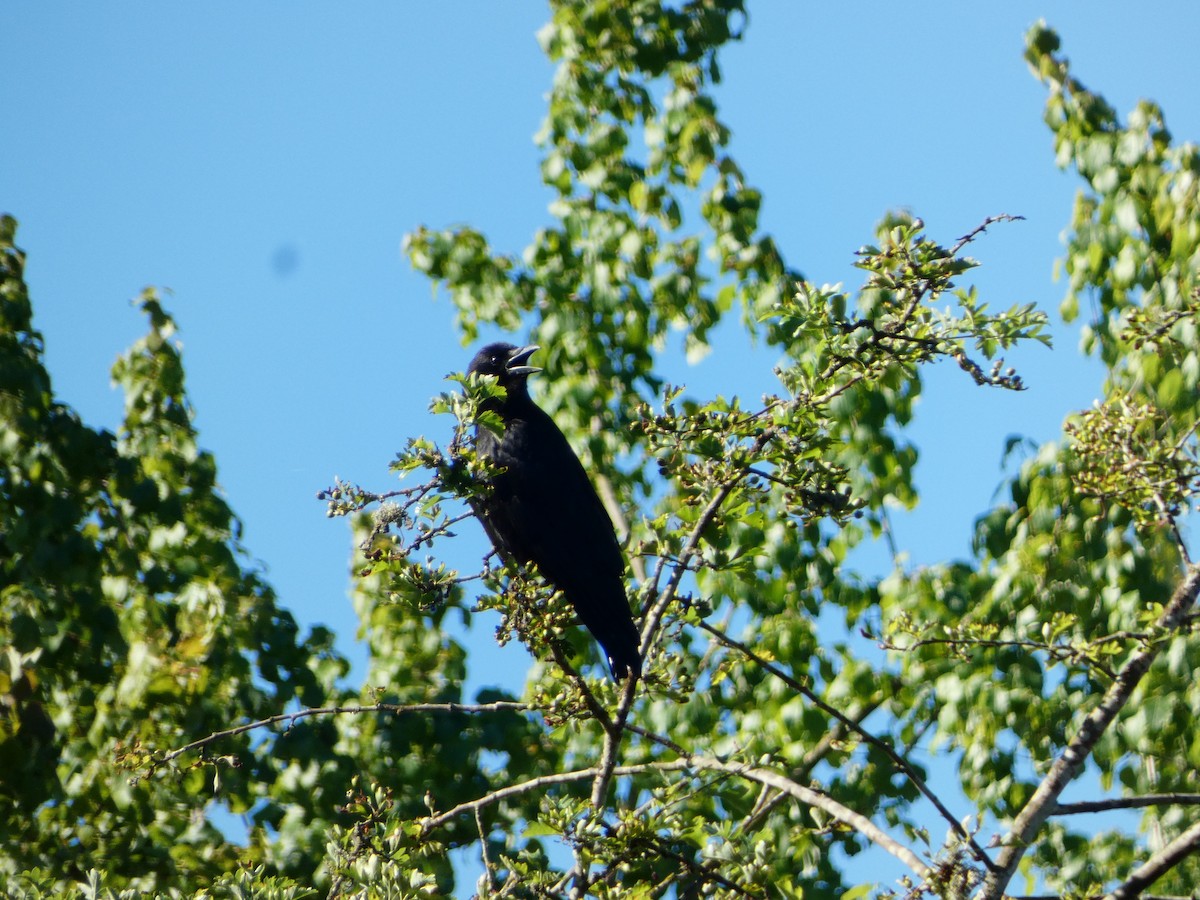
506 362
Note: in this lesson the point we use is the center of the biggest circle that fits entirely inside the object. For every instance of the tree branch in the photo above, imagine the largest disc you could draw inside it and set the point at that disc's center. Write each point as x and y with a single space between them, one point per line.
757 774
770 799
809 797
1073 757
981 228
589 698
431 822
608 497
1158 865
393 708
612 744
1094 806
1061 652
706 872
488 870
650 625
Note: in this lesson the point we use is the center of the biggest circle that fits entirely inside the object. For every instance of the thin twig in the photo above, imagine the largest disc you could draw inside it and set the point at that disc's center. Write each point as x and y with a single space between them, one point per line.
1095 806
608 497
980 229
1060 652
589 698
699 869
768 801
662 740
487 863
393 708
690 548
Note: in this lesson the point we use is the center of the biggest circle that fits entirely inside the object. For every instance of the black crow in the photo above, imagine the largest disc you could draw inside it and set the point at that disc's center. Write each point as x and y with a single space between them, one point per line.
543 509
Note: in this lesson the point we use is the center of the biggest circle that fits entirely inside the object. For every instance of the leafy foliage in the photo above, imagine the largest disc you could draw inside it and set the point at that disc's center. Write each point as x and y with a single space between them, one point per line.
775 733
132 625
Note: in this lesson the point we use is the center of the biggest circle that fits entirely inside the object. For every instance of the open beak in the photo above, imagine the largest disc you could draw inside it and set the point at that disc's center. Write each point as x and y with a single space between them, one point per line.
516 364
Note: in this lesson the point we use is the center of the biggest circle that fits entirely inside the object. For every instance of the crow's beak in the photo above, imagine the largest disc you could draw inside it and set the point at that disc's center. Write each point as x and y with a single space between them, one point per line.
516 362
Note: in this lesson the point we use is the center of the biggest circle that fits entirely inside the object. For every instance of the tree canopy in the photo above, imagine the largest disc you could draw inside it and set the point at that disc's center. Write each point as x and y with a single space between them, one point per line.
152 678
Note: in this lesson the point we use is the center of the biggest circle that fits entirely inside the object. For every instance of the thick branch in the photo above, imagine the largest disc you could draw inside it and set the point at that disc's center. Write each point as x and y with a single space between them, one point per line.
1158 865
1071 761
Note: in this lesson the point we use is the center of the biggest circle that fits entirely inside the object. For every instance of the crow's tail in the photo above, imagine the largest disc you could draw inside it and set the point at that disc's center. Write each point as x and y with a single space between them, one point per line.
605 613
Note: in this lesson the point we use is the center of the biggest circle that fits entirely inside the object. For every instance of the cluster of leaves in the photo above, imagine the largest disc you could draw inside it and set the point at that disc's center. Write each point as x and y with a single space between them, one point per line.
1124 459
754 506
132 626
1068 638
895 323
1047 646
129 621
618 272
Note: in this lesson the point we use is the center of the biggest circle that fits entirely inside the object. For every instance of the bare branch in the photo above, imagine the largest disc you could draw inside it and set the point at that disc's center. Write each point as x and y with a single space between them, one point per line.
393 708
757 774
488 868
612 744
810 797
659 739
608 497
1073 757
1158 865
431 822
981 228
769 799
1095 806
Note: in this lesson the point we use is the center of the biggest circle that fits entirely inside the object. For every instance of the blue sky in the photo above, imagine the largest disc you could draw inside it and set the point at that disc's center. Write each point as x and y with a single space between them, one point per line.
263 162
